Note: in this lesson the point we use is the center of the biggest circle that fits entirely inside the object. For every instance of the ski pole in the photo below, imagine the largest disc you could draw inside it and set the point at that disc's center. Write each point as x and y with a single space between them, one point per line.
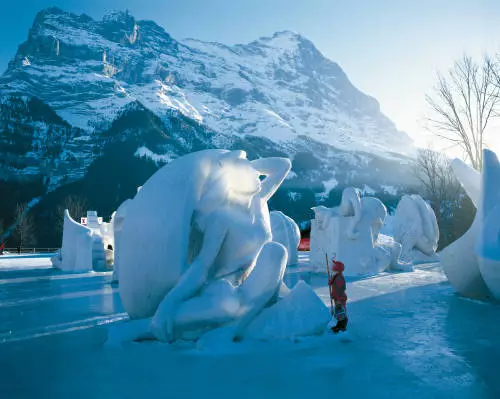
329 286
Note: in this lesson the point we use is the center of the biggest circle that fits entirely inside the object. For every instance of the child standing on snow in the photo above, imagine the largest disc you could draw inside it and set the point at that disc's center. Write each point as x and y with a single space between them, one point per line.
337 293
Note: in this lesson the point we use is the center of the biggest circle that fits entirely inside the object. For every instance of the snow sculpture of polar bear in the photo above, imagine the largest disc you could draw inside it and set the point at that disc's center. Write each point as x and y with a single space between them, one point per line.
415 227
369 207
472 263
286 232
195 248
350 232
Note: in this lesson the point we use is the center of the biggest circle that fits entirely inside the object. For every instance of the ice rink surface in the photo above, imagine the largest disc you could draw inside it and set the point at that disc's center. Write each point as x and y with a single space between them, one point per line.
409 334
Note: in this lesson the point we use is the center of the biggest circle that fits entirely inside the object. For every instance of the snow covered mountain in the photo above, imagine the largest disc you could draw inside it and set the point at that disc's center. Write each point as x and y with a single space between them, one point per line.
77 89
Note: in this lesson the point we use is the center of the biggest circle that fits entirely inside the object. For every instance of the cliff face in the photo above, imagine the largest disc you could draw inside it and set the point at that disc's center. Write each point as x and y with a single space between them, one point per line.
79 90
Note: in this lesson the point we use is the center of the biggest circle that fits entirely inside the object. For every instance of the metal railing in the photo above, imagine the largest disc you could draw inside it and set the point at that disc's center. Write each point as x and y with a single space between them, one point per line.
22 251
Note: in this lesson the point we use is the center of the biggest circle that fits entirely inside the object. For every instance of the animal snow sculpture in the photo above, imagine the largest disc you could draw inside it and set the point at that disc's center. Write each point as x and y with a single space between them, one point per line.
372 208
352 205
76 251
472 263
415 227
286 232
388 255
350 231
196 250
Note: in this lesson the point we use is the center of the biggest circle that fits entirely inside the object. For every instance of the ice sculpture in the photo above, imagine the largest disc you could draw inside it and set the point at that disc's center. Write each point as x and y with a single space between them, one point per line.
472 263
415 228
76 251
350 233
195 249
286 232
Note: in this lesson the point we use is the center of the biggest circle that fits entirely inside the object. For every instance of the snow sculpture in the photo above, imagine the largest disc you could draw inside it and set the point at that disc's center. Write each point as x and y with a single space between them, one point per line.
286 232
472 263
300 313
488 242
350 233
85 247
388 254
353 206
118 220
103 240
76 251
415 228
98 253
195 249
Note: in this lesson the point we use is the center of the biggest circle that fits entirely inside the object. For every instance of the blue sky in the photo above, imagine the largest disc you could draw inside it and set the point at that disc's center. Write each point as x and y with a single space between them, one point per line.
390 49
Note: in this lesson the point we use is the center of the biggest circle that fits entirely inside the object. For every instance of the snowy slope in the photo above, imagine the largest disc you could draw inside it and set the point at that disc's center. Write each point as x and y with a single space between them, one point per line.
280 87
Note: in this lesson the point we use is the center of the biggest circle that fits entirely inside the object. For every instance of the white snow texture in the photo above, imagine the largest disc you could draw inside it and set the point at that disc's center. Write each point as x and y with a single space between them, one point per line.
286 232
76 250
195 249
472 263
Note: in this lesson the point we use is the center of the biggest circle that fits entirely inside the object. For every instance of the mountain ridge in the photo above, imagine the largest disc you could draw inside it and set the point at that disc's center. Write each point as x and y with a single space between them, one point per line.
119 84
280 59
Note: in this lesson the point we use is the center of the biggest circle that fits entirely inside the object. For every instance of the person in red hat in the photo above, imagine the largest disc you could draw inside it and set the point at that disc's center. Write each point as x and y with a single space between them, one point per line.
338 294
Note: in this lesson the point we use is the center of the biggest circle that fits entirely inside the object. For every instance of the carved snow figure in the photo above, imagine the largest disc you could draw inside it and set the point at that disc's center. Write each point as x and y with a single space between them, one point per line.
118 220
76 250
388 255
286 232
196 250
369 207
85 247
488 241
415 227
350 232
98 248
472 263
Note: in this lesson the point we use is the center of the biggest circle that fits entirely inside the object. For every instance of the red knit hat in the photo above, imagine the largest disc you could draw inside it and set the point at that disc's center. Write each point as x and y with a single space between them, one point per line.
337 266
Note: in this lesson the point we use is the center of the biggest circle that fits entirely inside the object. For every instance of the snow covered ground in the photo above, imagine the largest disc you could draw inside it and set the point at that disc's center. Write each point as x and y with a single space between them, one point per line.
410 336
16 262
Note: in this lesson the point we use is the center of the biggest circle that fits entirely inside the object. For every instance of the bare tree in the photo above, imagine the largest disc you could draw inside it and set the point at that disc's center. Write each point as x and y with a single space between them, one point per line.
463 103
453 208
77 207
24 230
434 172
